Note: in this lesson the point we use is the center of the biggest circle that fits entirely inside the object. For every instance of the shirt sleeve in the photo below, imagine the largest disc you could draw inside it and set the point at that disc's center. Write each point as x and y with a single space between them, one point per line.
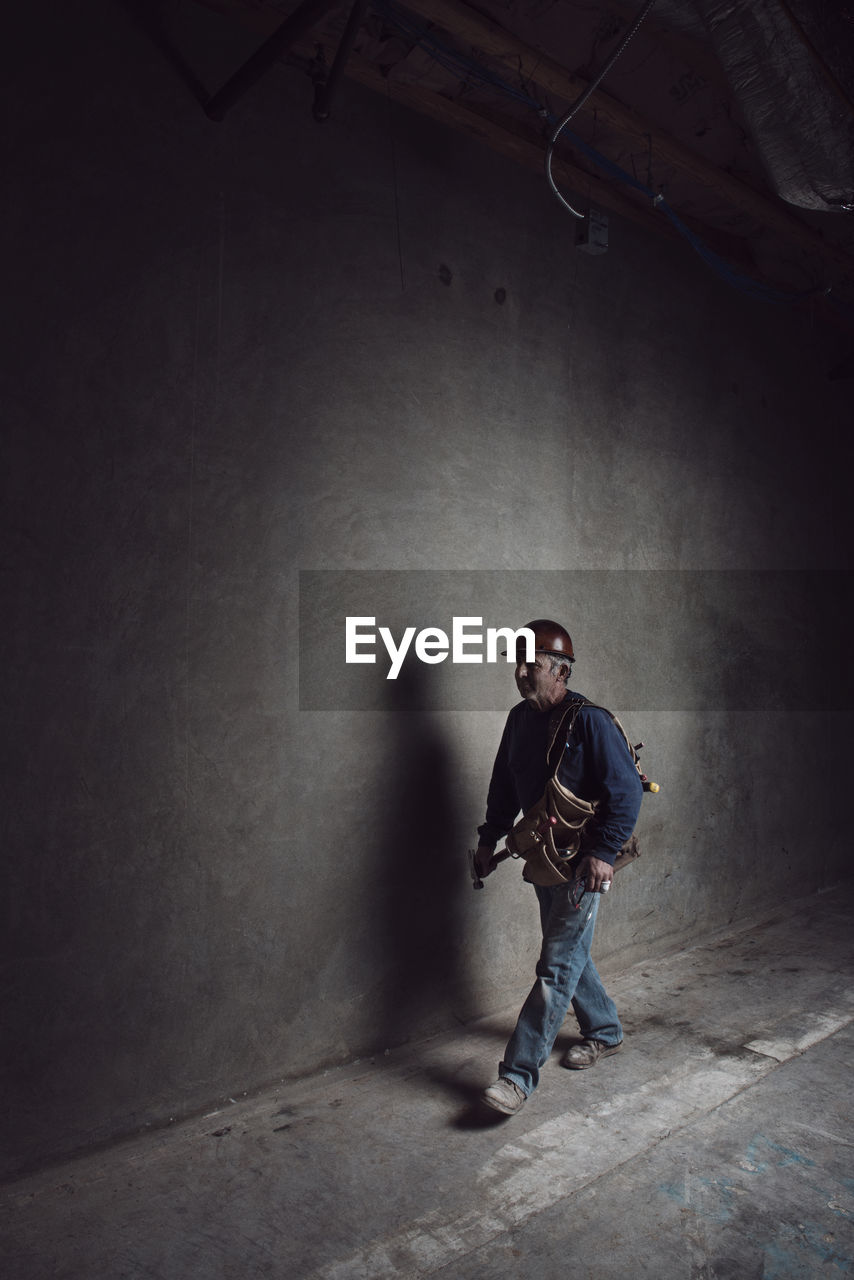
613 783
502 803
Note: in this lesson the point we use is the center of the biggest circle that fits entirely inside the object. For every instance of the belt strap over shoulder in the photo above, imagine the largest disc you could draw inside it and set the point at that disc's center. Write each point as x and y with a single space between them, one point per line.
562 723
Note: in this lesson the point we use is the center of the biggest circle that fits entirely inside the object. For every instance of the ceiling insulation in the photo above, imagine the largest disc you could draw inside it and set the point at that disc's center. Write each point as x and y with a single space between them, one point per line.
799 111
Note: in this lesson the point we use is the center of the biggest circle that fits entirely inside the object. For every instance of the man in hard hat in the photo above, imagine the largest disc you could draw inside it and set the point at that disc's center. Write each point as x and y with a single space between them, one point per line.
596 765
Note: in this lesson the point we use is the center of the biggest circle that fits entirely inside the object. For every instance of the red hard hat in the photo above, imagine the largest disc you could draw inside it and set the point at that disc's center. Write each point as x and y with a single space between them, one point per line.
549 637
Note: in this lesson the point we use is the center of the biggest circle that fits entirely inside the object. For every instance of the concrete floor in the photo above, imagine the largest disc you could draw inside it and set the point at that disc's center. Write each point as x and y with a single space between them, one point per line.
718 1144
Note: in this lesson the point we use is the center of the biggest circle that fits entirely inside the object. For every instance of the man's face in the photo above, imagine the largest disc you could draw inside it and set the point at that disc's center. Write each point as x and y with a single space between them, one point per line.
539 686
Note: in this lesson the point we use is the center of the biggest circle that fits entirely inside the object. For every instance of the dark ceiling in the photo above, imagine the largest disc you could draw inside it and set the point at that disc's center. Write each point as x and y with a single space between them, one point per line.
728 123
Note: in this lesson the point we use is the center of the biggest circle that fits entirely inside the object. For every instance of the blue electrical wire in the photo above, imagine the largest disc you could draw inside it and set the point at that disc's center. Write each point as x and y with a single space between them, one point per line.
458 64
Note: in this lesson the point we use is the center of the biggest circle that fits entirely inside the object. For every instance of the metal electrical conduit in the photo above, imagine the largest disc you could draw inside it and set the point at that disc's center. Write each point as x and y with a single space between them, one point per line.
579 103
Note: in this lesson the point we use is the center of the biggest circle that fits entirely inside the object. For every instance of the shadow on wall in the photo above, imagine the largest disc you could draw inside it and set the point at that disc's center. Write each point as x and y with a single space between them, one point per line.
422 869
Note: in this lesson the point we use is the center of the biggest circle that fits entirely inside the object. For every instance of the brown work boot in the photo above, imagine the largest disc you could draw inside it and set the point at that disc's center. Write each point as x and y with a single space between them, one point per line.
587 1054
504 1096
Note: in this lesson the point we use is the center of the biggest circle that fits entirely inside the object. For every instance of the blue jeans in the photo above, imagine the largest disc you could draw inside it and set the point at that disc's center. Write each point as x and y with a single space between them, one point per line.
565 975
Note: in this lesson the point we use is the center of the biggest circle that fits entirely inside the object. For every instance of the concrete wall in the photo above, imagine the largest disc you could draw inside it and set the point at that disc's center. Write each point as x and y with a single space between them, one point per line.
234 356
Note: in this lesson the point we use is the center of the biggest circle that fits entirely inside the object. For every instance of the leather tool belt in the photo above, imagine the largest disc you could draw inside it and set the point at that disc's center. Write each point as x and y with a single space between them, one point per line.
551 834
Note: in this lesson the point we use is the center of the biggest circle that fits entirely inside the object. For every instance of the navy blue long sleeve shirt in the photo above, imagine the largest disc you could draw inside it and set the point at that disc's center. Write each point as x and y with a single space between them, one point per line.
596 766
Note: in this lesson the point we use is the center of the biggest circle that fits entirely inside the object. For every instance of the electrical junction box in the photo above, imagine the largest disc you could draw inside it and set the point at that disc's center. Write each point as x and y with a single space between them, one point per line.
592 233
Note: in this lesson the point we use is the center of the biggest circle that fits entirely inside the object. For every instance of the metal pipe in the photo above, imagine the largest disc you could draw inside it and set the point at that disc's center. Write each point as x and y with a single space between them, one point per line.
326 89
580 101
295 25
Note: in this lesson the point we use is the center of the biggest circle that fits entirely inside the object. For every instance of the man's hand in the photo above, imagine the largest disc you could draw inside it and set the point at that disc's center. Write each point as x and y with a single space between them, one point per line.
485 860
595 873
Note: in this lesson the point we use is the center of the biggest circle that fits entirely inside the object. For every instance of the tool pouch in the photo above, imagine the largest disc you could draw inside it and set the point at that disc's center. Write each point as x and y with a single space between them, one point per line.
548 836
551 835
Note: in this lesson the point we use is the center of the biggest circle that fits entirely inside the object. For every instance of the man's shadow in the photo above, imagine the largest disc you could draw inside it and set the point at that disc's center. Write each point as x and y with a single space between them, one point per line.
422 836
